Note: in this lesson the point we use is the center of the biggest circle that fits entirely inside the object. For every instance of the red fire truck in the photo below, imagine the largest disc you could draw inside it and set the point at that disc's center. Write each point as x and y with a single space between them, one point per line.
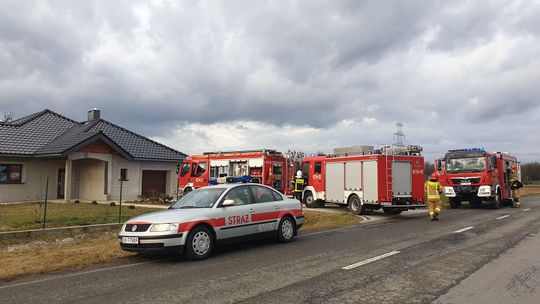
477 176
265 166
365 179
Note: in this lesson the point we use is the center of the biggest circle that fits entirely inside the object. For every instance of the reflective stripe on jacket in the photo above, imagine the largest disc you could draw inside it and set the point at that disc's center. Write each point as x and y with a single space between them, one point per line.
298 185
433 189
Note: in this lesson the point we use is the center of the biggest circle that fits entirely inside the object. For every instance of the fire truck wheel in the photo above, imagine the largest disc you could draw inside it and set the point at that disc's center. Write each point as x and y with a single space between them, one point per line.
454 202
496 202
187 190
392 211
355 206
309 201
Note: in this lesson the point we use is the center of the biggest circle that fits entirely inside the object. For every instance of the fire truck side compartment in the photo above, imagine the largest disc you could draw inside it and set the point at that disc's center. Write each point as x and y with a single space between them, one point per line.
353 176
401 179
370 177
335 182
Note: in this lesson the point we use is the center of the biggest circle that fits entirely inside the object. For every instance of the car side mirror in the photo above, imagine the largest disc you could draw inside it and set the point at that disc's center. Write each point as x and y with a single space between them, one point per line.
228 203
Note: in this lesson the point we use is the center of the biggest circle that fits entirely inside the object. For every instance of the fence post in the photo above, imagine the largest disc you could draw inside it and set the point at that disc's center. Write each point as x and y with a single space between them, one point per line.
120 208
46 197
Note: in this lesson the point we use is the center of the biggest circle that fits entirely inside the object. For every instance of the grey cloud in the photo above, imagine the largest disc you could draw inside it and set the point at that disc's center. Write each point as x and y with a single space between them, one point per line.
310 63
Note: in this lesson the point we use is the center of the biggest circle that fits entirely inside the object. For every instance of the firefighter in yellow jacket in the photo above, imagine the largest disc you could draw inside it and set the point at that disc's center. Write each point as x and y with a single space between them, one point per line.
433 190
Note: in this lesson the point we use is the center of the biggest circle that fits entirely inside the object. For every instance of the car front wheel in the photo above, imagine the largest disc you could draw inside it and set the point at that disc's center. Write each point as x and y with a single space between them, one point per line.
199 244
286 230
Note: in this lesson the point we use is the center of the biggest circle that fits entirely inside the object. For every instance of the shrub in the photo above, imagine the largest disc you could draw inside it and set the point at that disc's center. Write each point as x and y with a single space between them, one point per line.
76 201
112 204
131 207
94 202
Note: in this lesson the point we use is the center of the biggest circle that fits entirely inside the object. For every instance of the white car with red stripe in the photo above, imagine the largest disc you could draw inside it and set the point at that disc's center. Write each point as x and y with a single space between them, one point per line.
211 215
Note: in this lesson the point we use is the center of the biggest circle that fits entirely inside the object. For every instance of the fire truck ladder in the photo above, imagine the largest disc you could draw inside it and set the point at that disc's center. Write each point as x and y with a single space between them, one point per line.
389 176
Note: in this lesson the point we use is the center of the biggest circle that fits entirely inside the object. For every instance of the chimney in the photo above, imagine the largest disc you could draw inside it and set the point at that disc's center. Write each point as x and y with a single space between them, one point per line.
93 114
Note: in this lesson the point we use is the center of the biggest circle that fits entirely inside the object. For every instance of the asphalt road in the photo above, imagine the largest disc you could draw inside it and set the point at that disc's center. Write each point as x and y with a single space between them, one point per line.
468 256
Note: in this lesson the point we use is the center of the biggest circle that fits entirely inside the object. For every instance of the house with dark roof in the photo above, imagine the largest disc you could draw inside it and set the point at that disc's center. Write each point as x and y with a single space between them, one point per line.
81 160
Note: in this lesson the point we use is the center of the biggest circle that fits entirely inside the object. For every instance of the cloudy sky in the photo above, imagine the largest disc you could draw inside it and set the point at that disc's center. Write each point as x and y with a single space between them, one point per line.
302 75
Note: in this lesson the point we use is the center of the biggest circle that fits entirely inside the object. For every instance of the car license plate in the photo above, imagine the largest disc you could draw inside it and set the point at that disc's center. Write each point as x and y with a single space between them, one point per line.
466 183
130 240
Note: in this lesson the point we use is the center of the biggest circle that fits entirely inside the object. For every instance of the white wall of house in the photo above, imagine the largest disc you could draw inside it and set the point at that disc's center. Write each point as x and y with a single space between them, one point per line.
89 180
88 177
133 187
33 177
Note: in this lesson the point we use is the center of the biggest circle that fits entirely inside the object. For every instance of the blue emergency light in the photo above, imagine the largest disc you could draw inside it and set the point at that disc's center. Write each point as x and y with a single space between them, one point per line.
212 181
481 149
238 179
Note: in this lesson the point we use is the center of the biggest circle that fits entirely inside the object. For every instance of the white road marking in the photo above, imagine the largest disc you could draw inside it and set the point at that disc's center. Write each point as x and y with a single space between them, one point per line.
464 229
526 209
76 274
504 216
382 256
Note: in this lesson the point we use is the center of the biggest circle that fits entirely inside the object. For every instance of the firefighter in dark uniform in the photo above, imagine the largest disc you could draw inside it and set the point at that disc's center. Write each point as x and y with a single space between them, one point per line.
299 184
515 185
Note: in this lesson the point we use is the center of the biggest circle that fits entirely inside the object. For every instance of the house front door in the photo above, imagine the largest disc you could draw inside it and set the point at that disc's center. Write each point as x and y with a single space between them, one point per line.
61 184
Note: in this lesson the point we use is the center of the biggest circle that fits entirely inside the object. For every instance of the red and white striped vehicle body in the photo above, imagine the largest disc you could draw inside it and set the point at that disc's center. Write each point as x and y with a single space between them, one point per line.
365 182
215 213
265 166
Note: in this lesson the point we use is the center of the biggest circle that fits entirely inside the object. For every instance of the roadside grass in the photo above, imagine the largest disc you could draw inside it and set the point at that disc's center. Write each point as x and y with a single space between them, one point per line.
30 215
316 220
60 254
528 190
48 254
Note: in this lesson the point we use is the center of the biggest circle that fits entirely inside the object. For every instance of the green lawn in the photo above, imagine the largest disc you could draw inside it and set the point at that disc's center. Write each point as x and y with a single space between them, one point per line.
30 215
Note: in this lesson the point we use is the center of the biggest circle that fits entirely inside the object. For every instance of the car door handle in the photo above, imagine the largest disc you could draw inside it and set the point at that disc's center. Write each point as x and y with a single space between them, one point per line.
251 210
276 207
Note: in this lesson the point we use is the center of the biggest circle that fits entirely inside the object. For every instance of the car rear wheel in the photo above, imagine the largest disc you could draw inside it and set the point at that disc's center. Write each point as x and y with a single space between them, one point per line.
199 244
286 230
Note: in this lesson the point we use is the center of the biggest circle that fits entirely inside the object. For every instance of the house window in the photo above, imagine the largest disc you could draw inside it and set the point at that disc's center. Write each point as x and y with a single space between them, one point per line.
10 174
123 174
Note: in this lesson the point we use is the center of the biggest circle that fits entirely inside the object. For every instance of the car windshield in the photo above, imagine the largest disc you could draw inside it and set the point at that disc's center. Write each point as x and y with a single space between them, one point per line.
200 198
468 164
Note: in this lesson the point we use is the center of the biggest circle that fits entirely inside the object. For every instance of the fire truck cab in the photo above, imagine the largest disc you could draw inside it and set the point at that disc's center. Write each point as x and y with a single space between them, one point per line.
366 179
267 167
477 176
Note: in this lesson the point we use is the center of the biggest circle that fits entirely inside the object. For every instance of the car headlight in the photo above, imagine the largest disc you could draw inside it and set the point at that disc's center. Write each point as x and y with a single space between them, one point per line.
484 191
164 227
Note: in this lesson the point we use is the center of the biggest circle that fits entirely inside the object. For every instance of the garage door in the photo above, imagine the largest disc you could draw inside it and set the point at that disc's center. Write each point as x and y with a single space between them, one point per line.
154 182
